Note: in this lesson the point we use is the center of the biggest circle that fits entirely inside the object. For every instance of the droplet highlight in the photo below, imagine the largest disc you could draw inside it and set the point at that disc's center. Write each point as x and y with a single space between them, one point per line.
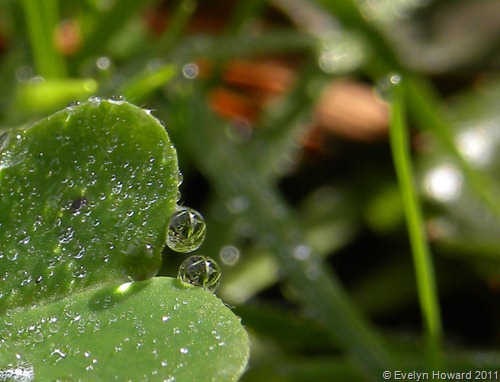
186 230
200 271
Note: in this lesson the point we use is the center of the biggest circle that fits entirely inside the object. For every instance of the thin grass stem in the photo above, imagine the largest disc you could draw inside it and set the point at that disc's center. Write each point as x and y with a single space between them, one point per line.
41 19
424 269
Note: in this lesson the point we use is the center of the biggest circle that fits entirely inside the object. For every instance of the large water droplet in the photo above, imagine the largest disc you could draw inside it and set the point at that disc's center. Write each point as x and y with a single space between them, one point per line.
186 230
140 262
200 271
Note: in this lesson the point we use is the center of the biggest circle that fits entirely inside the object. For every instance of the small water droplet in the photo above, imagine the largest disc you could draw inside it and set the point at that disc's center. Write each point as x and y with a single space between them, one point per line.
184 350
53 325
238 204
140 261
117 98
4 140
186 230
94 101
301 252
74 103
23 372
385 86
229 255
200 271
103 63
190 70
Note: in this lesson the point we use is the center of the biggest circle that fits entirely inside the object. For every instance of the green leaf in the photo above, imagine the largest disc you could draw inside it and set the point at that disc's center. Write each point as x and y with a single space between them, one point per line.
159 329
86 196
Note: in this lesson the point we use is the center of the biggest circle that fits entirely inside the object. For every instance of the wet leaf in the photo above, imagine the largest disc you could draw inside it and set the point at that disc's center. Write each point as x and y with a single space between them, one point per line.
77 190
159 329
86 198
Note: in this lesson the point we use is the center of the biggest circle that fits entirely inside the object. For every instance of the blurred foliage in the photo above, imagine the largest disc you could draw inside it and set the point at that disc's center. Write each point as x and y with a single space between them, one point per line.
277 109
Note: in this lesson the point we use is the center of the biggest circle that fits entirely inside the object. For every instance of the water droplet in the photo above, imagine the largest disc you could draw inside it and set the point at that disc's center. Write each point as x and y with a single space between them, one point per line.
184 350
94 101
117 98
190 70
341 52
444 183
229 255
53 325
24 73
20 373
238 204
103 63
4 140
74 103
385 87
186 230
140 262
200 271
301 252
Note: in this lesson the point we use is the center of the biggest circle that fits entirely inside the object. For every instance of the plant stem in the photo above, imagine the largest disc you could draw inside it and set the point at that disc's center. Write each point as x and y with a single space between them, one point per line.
41 19
424 269
178 23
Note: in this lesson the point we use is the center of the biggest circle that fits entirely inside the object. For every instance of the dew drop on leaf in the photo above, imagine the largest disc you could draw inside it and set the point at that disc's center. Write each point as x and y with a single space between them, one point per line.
186 230
22 373
140 262
200 271
74 103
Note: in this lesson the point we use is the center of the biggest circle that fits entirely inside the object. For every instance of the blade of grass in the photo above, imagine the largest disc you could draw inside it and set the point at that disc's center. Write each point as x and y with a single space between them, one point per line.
244 12
178 23
424 269
41 19
141 86
283 124
276 41
108 24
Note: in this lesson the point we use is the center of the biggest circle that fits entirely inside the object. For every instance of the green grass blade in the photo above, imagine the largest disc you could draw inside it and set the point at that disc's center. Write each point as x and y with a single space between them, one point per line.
424 269
178 23
108 24
142 85
41 19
